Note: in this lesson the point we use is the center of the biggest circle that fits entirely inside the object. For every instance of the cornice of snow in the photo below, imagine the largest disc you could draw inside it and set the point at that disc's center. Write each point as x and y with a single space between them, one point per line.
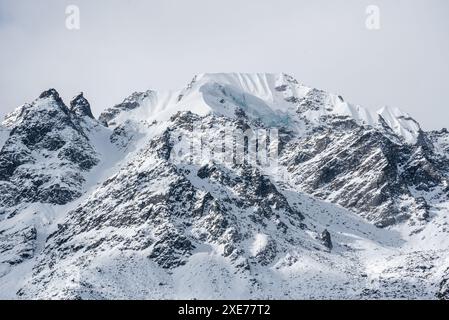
273 98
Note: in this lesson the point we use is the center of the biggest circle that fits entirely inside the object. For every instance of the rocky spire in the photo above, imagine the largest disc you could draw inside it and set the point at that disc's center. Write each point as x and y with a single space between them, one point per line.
80 106
50 93
54 95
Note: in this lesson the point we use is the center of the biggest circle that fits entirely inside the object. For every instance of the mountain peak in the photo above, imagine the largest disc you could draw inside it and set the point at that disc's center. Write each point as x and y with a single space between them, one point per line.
50 99
258 82
401 123
47 100
273 98
80 106
136 100
50 93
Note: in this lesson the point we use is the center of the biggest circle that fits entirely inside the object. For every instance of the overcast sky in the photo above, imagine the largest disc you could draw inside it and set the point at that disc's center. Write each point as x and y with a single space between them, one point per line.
125 46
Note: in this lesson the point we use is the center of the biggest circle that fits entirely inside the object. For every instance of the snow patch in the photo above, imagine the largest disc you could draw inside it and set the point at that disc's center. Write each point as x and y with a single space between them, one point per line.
259 244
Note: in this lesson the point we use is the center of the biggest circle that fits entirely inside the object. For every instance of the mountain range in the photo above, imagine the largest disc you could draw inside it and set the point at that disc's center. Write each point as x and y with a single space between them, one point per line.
354 204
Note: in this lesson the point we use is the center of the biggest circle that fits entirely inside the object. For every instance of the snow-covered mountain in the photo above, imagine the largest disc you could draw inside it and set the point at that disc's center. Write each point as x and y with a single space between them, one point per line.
340 202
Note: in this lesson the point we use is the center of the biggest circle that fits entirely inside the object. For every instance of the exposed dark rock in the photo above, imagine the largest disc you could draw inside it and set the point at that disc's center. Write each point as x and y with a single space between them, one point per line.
268 254
132 102
325 237
443 293
80 106
45 129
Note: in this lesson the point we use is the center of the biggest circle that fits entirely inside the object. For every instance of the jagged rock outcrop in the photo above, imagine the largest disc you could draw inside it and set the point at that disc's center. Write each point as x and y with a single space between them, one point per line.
443 293
44 130
326 239
80 106
362 170
136 100
43 161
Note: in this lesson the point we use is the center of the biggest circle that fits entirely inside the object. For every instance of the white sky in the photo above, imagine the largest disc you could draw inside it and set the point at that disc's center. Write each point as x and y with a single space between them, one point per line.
132 45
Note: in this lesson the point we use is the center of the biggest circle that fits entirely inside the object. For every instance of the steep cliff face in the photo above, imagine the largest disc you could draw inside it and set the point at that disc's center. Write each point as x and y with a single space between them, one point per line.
45 153
44 160
163 197
363 170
